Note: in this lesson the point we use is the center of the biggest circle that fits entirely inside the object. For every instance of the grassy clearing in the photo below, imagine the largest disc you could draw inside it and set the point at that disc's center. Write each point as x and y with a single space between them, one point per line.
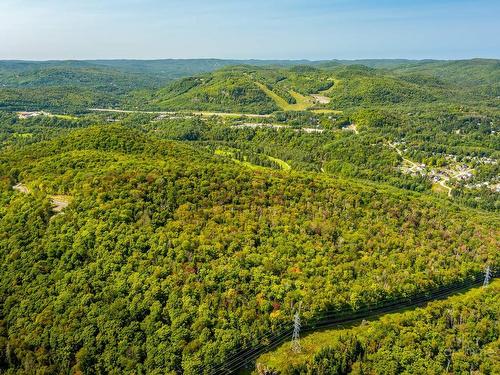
282 103
64 117
438 188
441 188
303 102
224 152
336 84
283 164
230 153
22 135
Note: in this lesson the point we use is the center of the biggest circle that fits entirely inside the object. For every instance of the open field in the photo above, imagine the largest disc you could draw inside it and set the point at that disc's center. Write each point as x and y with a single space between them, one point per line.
283 164
244 161
302 102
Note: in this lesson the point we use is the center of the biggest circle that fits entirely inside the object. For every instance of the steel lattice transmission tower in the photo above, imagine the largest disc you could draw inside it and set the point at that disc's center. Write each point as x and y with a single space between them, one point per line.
487 276
296 348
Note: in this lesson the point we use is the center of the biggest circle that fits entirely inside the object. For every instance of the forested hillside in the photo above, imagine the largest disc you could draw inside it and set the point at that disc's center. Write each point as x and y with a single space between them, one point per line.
157 217
168 257
223 91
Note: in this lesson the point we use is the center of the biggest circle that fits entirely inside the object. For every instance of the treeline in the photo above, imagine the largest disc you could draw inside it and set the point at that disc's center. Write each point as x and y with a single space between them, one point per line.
77 86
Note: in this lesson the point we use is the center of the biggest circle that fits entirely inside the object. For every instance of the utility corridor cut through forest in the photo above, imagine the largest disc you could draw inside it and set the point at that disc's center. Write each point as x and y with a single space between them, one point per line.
246 356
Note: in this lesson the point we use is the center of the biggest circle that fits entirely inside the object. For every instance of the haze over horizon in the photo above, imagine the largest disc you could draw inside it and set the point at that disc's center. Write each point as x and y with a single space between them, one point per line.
294 29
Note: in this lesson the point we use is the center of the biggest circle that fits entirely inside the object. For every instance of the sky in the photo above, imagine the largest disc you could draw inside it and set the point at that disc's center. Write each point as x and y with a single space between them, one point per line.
259 29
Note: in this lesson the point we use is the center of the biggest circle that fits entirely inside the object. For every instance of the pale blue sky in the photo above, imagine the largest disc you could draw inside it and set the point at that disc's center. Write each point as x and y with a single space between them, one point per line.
262 29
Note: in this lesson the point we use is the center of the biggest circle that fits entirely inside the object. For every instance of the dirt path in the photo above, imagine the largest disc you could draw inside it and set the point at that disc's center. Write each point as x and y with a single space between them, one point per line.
443 184
60 202
352 128
21 188
445 180
400 153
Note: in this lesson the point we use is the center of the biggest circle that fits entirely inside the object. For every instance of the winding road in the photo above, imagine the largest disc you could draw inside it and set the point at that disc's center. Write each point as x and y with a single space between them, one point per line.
60 202
400 153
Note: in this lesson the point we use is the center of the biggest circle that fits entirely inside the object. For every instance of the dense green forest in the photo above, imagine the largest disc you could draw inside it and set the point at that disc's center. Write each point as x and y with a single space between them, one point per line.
164 237
456 336
169 257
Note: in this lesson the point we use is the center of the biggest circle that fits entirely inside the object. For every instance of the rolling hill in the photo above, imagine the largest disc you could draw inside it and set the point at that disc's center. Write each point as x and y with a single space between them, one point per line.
169 257
258 86
136 242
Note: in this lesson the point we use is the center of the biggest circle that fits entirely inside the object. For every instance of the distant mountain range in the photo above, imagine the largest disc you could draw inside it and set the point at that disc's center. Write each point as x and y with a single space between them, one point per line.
251 86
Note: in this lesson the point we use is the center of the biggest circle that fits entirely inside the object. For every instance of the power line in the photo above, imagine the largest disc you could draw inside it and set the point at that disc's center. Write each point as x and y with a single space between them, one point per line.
248 355
251 354
238 351
487 276
332 318
296 348
402 301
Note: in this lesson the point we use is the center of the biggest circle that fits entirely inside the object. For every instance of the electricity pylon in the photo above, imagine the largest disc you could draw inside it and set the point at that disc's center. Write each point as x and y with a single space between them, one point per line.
296 348
487 276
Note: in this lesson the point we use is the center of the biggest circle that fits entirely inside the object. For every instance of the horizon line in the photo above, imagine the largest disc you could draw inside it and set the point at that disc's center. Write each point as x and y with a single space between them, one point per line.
245 59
